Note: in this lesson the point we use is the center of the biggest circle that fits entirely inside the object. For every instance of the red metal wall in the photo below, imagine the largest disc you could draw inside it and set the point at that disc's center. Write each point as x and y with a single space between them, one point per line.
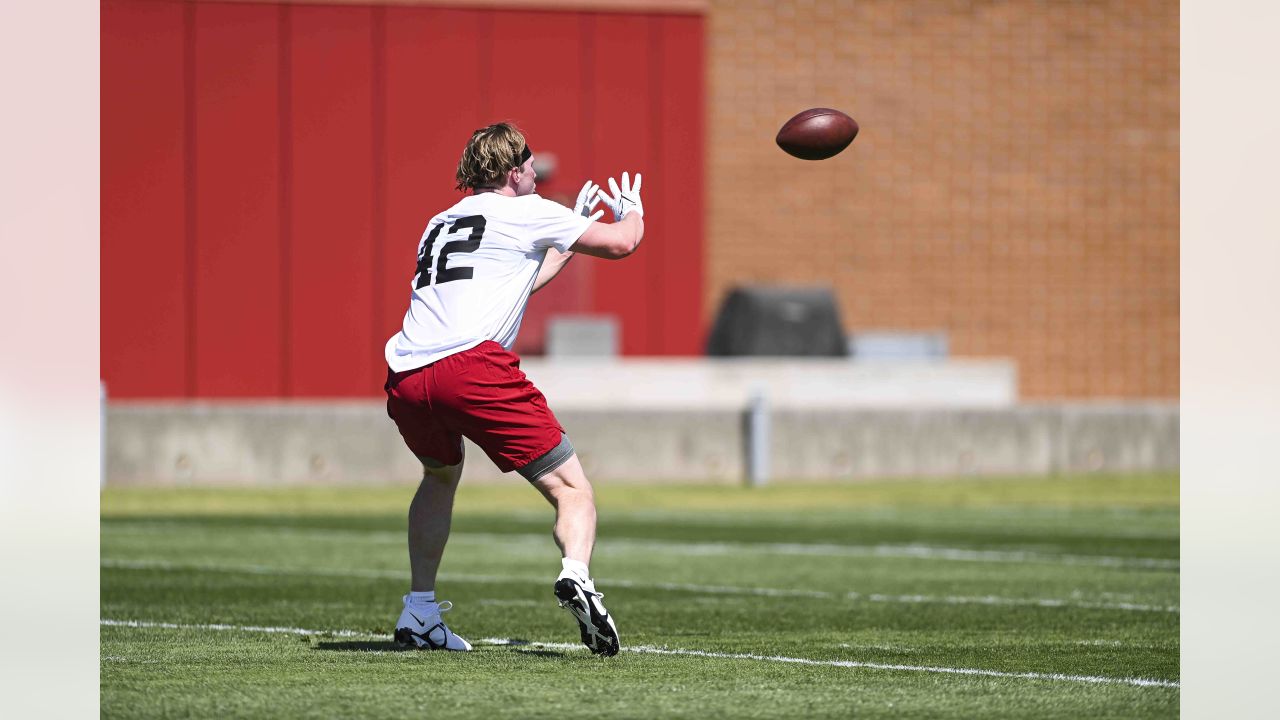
267 171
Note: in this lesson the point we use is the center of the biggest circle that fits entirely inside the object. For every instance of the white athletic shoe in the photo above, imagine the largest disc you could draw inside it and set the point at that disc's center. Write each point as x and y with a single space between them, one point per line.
424 630
580 598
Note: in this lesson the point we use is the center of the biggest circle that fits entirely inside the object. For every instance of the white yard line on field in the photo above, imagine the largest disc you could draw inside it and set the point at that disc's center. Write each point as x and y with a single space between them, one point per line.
1057 520
455 577
914 551
650 650
910 551
344 535
996 600
1138 682
678 587
677 547
241 628
512 603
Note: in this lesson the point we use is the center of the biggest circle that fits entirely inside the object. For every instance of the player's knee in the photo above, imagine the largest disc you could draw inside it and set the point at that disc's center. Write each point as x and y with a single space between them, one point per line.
436 472
566 494
552 465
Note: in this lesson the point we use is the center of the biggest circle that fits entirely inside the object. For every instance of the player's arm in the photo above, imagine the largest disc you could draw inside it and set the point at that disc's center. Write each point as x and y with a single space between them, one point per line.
612 241
621 238
551 266
554 262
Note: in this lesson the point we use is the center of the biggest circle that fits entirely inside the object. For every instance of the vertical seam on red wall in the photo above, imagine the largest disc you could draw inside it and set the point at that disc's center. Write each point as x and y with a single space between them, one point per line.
586 45
700 217
284 95
587 27
378 93
189 195
656 148
484 65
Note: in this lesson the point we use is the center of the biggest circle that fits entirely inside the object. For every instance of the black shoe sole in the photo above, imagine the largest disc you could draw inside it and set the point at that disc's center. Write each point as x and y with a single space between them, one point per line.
567 594
404 639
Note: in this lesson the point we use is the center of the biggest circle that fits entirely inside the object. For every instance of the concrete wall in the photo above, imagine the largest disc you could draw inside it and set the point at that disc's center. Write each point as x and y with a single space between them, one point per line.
354 442
728 383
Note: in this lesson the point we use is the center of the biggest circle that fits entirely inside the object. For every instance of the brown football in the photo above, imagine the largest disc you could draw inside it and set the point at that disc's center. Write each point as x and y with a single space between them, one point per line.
817 134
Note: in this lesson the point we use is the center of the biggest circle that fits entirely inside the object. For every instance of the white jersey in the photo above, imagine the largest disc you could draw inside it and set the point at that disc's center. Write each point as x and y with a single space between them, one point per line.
477 262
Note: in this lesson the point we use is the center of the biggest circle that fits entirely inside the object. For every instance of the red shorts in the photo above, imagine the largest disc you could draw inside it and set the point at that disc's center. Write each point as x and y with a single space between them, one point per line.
481 394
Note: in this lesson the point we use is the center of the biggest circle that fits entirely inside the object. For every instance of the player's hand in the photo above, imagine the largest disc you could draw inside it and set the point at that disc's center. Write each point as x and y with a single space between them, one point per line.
588 198
624 200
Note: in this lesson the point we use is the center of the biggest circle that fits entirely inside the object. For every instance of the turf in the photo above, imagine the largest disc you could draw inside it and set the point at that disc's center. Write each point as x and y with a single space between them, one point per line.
868 599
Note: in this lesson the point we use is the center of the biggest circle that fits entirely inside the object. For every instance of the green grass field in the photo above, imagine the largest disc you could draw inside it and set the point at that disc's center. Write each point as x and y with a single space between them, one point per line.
983 598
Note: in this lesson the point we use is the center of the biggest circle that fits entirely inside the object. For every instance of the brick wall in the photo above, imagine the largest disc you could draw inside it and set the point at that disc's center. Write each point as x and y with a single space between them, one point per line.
1015 182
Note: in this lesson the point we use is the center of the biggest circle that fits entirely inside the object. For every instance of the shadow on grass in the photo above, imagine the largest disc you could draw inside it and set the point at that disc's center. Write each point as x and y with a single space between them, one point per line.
524 647
360 646
539 653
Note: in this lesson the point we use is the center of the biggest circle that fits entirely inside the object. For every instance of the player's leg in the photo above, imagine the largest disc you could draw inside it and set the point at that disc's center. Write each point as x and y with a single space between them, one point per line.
498 408
430 515
430 511
567 489
569 492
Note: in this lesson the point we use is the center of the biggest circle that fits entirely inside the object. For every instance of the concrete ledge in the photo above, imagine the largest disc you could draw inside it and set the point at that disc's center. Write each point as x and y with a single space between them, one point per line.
355 442
726 383
273 443
1023 440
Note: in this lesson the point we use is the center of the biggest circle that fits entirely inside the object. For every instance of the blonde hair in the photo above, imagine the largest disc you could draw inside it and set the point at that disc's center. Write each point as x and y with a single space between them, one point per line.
490 154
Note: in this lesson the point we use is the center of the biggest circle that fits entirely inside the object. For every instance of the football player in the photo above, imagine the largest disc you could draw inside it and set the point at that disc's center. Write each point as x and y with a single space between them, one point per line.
452 374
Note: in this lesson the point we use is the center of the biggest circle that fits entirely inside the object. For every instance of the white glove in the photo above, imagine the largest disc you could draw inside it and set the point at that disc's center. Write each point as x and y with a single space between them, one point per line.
625 200
588 198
